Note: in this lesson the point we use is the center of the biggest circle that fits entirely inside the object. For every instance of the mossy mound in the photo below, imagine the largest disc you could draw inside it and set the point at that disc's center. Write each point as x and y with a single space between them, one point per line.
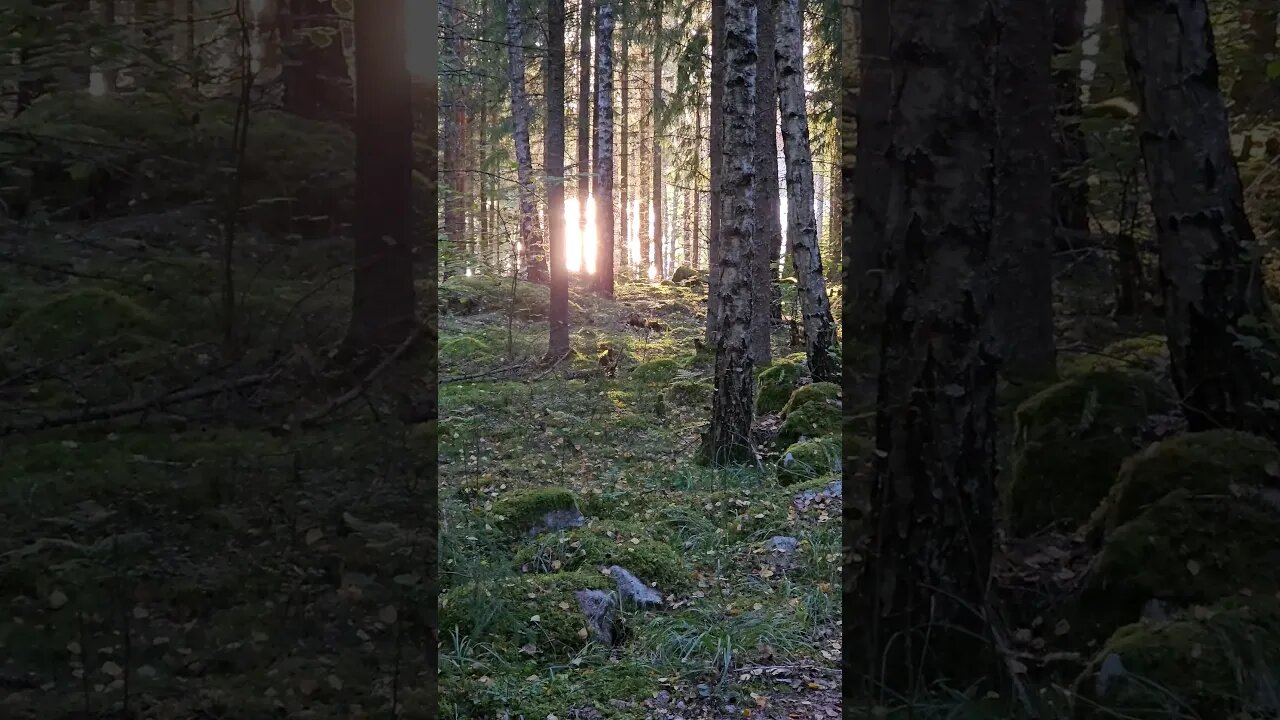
463 349
1148 353
689 393
776 383
1184 549
461 295
1219 661
812 420
517 513
1211 462
1069 442
683 273
656 371
90 320
810 459
813 392
607 543
532 608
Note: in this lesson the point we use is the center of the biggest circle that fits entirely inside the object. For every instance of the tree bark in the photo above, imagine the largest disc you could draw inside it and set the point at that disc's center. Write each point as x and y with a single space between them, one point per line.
768 212
732 405
532 249
584 119
1024 190
382 306
802 225
1071 181
657 147
918 613
317 84
454 200
603 186
715 145
625 152
1210 272
553 159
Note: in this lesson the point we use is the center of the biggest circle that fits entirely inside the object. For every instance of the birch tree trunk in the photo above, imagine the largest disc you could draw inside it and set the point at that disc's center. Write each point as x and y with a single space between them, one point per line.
917 614
657 148
732 405
603 186
716 134
802 226
768 212
533 252
553 159
696 197
1209 267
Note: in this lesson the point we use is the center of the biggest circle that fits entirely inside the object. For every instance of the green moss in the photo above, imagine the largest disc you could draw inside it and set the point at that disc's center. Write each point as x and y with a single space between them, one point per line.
601 688
1211 462
689 393
518 512
1069 442
1148 353
809 459
503 612
682 273
813 392
463 349
1184 549
1214 662
91 320
462 295
656 371
812 420
776 383
607 543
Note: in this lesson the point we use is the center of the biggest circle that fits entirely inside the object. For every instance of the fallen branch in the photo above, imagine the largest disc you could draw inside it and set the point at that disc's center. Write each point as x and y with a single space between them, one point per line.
360 387
484 374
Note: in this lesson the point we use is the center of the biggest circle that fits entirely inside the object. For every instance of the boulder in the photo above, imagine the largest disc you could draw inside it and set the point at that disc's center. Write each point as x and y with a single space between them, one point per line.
812 420
813 392
776 384
602 616
633 588
809 459
534 512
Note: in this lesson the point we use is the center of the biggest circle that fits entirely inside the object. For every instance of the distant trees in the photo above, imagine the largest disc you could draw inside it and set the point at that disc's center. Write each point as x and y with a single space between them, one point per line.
603 181
317 84
553 157
532 250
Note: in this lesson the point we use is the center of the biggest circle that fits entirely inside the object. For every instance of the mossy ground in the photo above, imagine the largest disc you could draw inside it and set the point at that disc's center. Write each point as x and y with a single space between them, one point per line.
695 532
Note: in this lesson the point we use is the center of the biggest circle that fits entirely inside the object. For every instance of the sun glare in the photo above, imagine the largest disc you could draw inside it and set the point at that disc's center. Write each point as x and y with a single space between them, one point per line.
580 251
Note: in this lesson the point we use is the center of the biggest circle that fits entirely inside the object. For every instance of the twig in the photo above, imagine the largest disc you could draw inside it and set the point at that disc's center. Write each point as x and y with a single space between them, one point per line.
487 373
358 390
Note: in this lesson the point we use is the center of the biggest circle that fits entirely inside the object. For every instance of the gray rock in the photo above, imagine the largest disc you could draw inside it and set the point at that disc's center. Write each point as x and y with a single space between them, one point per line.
558 520
832 491
1155 610
602 615
1110 669
781 543
633 588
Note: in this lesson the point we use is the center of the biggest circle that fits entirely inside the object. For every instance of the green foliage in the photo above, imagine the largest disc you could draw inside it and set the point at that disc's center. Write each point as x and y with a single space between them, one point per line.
813 392
809 459
1069 442
81 322
776 383
630 545
811 420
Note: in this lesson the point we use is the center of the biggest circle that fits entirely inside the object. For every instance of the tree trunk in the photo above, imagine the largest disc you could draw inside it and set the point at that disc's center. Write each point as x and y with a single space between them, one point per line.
533 252
869 198
317 84
1211 277
553 158
729 439
584 119
1024 190
642 189
1070 180
697 198
802 225
833 217
382 307
603 189
768 212
624 197
715 145
657 148
453 128
919 601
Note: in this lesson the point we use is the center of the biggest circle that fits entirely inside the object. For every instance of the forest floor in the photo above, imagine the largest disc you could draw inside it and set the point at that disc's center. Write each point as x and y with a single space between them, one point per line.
233 543
743 631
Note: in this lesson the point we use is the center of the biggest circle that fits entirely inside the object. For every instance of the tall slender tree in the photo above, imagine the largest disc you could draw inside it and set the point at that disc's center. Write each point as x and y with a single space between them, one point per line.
624 154
1210 270
317 84
732 405
584 117
382 305
533 251
454 169
768 208
802 225
917 606
1071 182
715 143
553 158
603 185
656 109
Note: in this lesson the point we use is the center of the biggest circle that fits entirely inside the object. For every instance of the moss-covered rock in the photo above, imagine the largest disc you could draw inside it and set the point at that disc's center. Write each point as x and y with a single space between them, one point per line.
776 383
531 608
462 295
603 544
1148 353
812 420
86 321
1069 442
523 512
656 371
1211 462
809 459
813 392
683 273
689 393
1221 661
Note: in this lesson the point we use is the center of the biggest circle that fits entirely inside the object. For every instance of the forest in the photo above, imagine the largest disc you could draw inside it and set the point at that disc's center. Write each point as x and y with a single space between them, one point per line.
1060 410
217 436
639 401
